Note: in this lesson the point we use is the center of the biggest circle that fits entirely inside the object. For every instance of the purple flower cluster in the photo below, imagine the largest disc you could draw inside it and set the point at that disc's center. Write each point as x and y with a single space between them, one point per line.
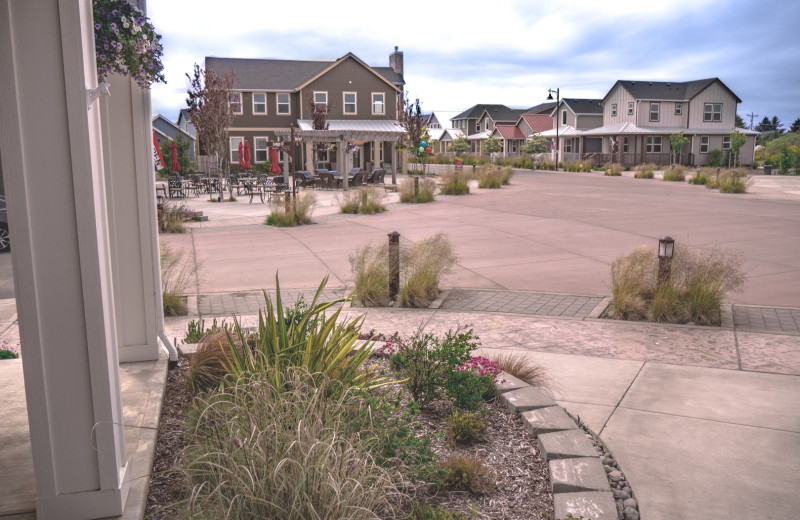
482 366
126 43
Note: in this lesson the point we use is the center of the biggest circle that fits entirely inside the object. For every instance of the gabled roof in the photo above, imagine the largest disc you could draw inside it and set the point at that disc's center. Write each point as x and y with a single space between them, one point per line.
477 111
583 106
668 90
451 133
480 136
285 75
538 122
543 108
510 132
185 115
169 124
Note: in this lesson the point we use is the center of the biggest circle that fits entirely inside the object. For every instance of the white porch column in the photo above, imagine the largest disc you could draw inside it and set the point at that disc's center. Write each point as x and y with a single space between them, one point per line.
394 163
52 159
309 146
130 184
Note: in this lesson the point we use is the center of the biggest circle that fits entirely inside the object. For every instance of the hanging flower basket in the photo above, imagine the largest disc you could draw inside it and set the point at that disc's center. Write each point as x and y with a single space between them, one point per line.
126 43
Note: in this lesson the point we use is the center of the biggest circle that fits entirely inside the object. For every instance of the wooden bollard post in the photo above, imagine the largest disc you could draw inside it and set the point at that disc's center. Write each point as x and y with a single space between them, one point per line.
394 265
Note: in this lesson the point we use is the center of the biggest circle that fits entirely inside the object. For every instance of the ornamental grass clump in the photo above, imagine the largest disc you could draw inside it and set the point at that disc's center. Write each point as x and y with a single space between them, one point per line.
371 271
613 169
298 212
675 174
423 265
521 366
466 473
700 178
365 201
734 181
644 171
698 281
296 450
574 165
453 184
417 190
494 177
177 273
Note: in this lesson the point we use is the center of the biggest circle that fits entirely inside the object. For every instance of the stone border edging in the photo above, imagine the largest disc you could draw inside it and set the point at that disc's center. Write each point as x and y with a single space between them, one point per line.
584 476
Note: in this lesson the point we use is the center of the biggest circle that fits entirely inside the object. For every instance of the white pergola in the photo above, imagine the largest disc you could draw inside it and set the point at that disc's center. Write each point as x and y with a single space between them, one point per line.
80 191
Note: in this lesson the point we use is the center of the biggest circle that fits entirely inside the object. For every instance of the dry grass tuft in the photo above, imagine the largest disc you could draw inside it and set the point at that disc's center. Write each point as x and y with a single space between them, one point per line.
521 366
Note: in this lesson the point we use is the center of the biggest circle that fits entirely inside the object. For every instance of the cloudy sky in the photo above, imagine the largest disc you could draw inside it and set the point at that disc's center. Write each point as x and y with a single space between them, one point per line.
461 53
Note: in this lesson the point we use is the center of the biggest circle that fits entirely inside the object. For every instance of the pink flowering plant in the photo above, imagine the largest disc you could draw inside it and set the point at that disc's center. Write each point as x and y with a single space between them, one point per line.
126 43
9 351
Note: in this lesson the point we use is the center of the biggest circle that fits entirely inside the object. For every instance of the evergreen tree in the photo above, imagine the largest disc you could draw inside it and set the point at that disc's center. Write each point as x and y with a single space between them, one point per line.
740 122
765 125
777 126
795 126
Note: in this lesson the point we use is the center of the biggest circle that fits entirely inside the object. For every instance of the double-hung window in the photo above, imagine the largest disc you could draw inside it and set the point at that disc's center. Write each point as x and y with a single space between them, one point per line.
613 110
630 108
726 142
236 102
378 104
260 103
261 151
704 139
349 103
283 107
678 109
654 144
625 144
712 112
321 98
654 111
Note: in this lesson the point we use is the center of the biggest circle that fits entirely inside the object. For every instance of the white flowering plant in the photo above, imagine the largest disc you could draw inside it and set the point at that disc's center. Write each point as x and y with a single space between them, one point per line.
126 43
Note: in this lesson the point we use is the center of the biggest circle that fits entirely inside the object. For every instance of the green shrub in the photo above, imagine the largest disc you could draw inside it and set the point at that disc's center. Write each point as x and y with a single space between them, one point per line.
714 157
698 178
365 201
466 427
453 184
8 354
468 474
734 181
298 214
521 162
574 165
417 190
248 458
195 330
675 174
177 273
171 217
370 267
423 265
613 169
644 171
546 165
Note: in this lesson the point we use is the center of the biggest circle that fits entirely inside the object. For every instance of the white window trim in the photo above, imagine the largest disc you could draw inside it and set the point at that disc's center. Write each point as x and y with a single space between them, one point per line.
383 103
712 120
678 109
278 104
326 98
255 149
726 145
254 104
650 147
563 118
707 143
657 112
354 103
630 108
235 148
241 102
613 110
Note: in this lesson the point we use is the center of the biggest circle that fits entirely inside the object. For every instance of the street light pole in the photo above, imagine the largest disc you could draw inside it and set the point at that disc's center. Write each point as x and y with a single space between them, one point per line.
558 117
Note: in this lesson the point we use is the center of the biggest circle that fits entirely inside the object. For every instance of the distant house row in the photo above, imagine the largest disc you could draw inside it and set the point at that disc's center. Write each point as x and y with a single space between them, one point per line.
630 125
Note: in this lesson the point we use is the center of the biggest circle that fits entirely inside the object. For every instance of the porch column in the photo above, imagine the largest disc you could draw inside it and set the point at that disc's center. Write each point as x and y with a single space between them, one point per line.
340 144
52 158
132 221
394 162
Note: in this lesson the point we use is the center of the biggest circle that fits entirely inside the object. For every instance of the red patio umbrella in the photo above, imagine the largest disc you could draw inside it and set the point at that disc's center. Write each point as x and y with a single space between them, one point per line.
173 151
241 154
273 158
247 164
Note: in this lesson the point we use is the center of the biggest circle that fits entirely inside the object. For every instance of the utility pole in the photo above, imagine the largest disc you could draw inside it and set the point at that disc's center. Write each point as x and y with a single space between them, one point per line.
751 116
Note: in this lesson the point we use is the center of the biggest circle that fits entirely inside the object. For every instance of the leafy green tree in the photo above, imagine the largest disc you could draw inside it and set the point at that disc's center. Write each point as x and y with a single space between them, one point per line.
737 141
795 126
677 141
740 122
536 144
493 144
459 145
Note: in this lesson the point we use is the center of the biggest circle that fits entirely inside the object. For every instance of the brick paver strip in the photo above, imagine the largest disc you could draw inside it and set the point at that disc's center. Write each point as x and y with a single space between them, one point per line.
766 319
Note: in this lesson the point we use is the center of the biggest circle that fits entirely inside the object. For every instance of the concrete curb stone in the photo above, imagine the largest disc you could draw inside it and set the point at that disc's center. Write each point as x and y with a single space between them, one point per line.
526 398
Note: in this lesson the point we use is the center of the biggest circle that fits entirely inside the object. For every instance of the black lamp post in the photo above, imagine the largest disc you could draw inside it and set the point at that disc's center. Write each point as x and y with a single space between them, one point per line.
558 121
666 250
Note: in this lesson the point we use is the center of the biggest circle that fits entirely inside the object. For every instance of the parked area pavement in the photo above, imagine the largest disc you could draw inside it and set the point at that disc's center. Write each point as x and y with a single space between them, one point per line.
703 421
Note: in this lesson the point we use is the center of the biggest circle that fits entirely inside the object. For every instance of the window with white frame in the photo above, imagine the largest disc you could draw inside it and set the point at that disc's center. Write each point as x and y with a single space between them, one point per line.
704 140
235 141
321 98
378 104
678 109
236 102
613 109
654 144
630 108
349 103
568 146
712 112
726 142
655 109
477 126
283 106
259 103
563 117
624 145
261 150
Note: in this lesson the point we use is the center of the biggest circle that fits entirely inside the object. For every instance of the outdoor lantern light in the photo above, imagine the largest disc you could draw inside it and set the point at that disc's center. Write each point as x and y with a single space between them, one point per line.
666 247
558 122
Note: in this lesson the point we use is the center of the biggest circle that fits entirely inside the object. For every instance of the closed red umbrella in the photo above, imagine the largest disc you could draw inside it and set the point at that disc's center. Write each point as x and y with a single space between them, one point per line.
173 150
273 158
247 164
241 154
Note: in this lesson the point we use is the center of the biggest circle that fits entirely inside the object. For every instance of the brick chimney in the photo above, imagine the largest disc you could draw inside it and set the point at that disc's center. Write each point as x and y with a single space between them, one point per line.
396 61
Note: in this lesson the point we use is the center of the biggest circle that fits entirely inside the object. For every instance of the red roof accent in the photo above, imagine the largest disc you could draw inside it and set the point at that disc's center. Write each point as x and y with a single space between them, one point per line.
509 132
538 122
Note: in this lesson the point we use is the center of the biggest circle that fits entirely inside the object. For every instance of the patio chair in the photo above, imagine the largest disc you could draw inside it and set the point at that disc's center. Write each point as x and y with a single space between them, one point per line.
327 180
377 176
176 187
304 179
358 179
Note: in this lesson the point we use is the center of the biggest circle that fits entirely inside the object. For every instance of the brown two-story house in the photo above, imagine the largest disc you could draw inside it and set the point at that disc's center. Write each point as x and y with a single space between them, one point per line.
270 96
